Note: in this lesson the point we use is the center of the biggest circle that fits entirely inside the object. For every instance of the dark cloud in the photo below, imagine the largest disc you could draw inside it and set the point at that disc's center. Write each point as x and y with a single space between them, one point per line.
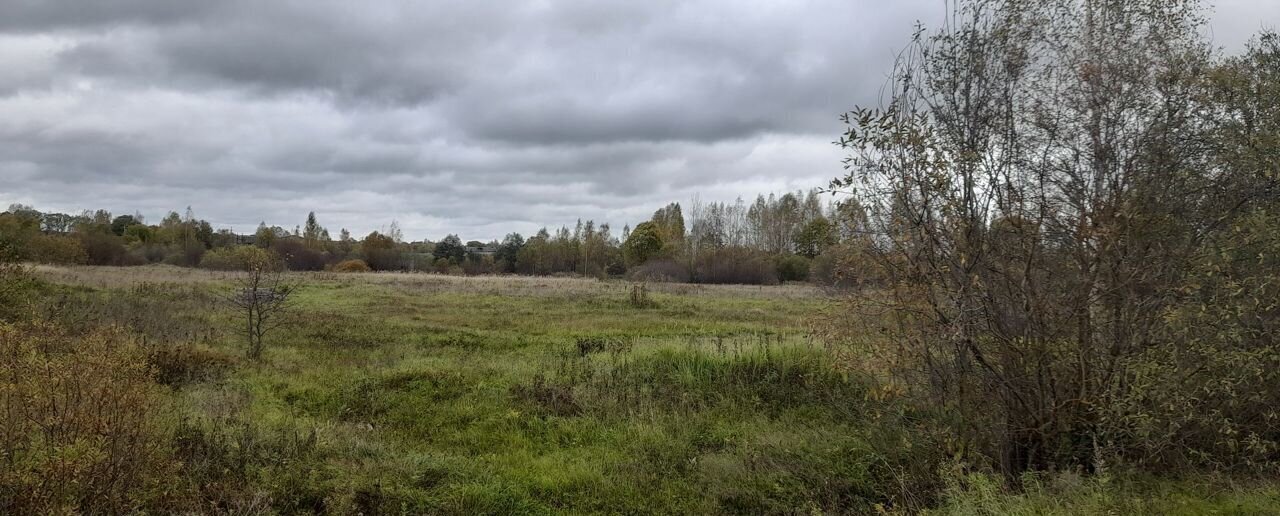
477 117
35 16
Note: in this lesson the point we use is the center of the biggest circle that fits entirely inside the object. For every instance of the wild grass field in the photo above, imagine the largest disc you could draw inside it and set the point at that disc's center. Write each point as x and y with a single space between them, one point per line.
425 394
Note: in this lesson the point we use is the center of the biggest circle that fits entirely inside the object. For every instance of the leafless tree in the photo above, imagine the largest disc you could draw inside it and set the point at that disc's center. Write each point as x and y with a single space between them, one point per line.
261 296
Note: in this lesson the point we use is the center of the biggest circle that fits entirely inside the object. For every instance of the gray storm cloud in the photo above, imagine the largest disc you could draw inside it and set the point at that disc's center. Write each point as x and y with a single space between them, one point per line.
470 117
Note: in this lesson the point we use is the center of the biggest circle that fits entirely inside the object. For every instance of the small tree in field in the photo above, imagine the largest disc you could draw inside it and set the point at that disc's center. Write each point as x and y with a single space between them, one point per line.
260 297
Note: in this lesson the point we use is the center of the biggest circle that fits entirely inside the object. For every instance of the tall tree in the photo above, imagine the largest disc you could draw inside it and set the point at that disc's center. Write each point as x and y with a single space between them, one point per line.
450 248
119 224
264 237
669 222
312 232
643 244
508 252
381 252
1035 179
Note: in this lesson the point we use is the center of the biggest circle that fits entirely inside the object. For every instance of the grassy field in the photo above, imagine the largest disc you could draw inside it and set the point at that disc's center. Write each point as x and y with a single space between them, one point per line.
509 395
395 393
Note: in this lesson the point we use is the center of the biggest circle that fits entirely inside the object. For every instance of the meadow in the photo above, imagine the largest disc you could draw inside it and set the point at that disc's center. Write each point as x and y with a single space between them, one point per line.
427 394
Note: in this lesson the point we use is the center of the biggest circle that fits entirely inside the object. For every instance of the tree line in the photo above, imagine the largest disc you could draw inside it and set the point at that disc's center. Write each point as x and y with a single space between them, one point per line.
796 236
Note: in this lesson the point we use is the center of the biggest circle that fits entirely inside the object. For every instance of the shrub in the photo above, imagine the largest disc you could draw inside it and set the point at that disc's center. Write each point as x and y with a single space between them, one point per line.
102 249
475 265
735 265
18 291
381 252
153 253
178 365
238 258
441 265
661 271
615 269
793 268
842 266
191 253
297 257
187 254
81 432
134 258
56 249
1021 318
355 265
1213 383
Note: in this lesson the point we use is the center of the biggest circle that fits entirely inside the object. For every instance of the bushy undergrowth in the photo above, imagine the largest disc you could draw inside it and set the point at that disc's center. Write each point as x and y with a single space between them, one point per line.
1208 396
351 266
793 268
19 290
176 365
237 258
57 249
660 270
84 427
735 265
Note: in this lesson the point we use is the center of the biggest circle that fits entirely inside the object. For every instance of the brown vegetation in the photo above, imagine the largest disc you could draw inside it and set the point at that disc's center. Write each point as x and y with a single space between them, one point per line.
81 425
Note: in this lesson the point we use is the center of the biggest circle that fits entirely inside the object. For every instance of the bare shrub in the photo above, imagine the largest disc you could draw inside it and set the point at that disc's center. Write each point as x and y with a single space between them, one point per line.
261 297
79 431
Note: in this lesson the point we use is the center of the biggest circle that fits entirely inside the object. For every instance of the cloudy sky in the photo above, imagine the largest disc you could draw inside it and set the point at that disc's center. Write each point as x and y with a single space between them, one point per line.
476 117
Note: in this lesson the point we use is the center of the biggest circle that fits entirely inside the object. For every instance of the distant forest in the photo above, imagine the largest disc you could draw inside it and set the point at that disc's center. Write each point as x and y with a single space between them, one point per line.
798 236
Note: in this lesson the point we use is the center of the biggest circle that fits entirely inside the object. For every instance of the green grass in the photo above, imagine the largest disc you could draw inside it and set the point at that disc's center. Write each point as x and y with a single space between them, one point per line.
424 394
540 401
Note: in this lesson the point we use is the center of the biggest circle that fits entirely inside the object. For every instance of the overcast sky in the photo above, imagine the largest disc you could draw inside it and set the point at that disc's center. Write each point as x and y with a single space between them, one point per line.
475 117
